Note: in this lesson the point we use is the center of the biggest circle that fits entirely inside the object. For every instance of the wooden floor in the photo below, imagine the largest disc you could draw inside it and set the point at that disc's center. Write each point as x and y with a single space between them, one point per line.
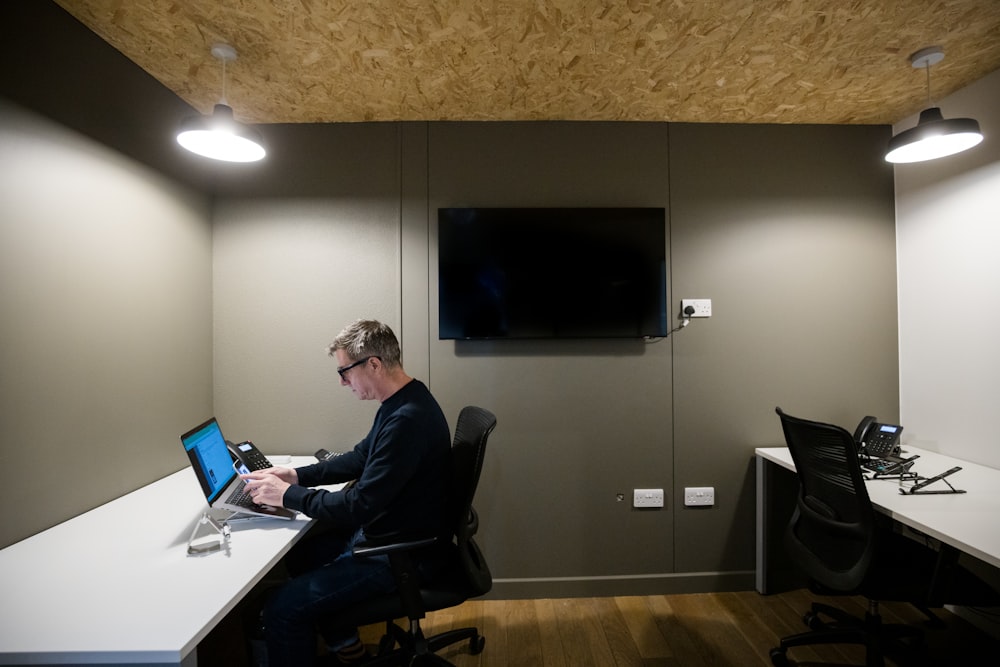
717 629
705 629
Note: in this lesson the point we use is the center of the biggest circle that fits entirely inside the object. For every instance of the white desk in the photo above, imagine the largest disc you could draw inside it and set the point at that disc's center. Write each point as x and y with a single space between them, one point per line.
965 521
115 585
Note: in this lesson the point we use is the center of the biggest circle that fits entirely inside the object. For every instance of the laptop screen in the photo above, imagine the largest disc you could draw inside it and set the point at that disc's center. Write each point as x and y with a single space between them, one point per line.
210 458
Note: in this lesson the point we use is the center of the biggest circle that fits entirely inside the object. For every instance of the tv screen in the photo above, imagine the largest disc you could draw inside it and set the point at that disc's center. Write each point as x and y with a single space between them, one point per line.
551 273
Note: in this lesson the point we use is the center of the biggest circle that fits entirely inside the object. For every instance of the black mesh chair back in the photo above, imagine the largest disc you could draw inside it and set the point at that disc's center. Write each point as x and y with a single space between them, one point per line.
831 535
472 430
834 538
838 540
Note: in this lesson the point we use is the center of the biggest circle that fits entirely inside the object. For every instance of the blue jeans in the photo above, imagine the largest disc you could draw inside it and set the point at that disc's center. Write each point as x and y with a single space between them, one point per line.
325 578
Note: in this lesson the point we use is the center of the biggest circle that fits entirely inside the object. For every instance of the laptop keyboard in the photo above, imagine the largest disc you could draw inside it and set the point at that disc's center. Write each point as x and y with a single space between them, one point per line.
241 497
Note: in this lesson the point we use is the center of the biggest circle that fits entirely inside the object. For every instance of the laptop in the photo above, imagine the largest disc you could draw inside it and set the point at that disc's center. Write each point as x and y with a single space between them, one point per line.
213 465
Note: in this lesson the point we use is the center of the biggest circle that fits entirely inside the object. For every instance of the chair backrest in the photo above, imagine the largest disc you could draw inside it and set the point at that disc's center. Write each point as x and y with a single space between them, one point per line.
831 535
467 453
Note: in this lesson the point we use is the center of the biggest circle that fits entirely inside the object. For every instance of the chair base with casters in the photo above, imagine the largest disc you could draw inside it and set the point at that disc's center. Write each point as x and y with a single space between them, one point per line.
410 647
405 647
897 641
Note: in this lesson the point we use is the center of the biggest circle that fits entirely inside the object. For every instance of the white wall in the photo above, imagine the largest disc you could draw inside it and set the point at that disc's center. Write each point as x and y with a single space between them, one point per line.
948 235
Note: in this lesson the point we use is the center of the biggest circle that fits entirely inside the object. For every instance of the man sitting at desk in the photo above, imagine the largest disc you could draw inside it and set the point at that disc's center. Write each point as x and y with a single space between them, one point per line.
402 468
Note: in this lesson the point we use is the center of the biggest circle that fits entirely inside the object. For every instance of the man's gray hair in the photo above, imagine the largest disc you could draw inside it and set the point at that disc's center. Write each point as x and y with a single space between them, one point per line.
368 338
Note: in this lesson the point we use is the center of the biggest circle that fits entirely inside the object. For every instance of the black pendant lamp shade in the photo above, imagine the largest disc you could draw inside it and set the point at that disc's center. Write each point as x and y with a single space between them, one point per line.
220 136
934 136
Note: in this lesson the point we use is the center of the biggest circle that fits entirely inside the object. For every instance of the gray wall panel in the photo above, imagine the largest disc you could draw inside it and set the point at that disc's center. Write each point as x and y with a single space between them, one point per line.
579 421
790 232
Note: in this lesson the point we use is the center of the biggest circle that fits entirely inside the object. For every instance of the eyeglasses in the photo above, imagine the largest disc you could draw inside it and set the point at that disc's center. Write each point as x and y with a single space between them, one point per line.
343 371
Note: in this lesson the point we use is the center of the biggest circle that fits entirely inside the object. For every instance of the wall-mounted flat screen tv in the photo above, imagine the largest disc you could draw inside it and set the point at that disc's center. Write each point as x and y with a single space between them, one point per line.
508 273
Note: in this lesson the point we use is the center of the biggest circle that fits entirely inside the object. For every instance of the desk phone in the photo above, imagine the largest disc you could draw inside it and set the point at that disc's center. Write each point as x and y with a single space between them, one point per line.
248 454
878 441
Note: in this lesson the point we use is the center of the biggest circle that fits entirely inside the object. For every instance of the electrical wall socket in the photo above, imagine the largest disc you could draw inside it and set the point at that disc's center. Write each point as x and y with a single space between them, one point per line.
647 497
702 307
699 496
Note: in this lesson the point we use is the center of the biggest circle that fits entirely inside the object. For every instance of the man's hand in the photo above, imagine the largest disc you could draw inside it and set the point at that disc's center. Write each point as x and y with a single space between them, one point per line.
267 487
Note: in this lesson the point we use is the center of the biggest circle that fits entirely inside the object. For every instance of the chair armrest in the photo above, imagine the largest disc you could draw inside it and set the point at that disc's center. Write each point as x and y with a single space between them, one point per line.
404 569
370 548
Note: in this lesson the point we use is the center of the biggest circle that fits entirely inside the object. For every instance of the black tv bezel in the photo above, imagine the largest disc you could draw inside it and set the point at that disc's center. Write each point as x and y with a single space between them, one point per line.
651 326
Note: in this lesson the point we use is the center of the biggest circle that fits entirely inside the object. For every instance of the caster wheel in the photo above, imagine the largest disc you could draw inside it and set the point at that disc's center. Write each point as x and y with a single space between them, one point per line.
778 657
477 644
813 621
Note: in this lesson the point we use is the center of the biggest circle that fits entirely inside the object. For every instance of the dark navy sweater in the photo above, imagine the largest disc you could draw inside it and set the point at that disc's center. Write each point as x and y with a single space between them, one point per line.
402 468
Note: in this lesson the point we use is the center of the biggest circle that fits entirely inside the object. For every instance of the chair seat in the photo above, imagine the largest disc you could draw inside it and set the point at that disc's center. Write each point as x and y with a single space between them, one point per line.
439 595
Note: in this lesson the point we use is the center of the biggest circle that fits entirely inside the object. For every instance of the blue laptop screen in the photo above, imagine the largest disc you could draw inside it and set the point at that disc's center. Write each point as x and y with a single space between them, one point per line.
210 458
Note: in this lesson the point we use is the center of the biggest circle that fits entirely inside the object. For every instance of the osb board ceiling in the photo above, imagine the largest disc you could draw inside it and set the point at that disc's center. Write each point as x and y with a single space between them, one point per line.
727 61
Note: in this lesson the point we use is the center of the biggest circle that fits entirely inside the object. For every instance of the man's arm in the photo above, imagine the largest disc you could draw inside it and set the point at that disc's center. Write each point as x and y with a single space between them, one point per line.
390 463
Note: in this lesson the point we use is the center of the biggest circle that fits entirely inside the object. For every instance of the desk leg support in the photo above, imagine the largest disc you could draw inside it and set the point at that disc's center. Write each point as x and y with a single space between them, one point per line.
761 560
777 489
760 574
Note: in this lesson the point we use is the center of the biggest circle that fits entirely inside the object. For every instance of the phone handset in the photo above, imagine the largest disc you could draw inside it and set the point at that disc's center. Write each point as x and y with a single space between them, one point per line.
248 454
877 440
861 432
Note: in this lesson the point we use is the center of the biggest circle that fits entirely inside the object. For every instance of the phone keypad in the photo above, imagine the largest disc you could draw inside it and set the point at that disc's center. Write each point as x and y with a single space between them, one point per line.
253 457
880 444
258 461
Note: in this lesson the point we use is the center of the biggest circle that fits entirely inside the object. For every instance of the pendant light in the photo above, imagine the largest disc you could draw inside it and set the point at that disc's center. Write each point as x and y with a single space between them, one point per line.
933 136
220 136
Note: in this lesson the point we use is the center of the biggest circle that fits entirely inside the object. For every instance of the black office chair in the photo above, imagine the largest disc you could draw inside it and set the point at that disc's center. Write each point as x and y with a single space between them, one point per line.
846 548
468 577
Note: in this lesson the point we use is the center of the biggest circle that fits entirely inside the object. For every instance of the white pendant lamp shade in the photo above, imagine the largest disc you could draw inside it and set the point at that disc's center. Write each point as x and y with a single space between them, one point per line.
933 136
220 136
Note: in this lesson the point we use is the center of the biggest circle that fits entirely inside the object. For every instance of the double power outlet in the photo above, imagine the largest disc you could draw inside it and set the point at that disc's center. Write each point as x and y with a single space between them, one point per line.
694 496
